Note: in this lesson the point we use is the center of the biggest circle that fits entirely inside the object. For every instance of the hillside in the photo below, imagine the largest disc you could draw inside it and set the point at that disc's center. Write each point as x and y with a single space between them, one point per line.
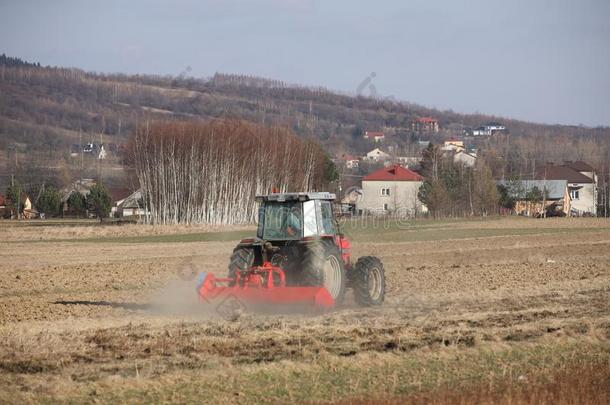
45 111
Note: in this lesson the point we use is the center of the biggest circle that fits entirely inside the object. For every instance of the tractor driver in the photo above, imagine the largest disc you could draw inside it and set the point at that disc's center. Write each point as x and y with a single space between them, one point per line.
293 221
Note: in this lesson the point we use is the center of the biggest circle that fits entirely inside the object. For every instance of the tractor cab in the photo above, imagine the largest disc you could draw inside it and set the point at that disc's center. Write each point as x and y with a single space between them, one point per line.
295 216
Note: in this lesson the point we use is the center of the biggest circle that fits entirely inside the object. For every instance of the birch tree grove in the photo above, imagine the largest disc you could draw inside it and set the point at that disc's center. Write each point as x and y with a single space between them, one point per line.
210 172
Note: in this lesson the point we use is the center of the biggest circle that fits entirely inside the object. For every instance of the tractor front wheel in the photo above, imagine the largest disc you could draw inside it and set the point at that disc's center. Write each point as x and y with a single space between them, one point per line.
322 266
368 281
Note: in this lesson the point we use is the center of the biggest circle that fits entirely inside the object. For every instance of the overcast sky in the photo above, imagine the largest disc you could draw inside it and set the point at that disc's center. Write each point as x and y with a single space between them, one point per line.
544 61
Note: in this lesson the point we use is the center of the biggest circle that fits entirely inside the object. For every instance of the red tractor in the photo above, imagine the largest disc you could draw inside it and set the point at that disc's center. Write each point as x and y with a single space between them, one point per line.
297 257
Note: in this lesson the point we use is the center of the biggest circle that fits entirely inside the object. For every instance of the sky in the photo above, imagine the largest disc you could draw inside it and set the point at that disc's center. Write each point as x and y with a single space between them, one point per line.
540 60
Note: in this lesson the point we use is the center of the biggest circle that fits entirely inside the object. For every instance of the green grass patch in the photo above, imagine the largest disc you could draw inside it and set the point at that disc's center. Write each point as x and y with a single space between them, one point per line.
369 233
394 233
170 238
359 230
221 236
58 222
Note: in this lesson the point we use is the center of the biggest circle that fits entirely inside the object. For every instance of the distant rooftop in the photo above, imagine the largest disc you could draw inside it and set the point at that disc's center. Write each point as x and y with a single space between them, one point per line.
579 166
281 197
552 172
393 173
347 157
427 120
556 189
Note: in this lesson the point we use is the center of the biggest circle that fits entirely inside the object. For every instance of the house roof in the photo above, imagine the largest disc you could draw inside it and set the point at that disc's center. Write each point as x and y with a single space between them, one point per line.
393 173
118 194
551 172
349 157
377 151
133 200
352 196
427 119
81 186
373 134
464 152
580 166
556 189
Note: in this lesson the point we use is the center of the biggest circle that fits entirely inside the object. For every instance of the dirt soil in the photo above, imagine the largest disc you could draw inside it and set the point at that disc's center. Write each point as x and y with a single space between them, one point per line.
82 319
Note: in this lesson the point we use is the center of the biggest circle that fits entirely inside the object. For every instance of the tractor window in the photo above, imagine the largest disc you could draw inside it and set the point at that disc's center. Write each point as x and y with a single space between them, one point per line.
328 225
281 221
310 222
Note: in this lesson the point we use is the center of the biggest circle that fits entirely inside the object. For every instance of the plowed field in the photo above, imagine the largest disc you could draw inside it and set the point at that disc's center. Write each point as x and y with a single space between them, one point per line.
489 309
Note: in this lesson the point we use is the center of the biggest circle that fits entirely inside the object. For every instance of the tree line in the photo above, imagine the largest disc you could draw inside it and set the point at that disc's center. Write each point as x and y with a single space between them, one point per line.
48 202
452 189
210 172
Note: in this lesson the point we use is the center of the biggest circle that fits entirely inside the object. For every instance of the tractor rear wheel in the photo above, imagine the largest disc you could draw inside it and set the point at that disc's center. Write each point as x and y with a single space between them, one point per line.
241 260
368 281
322 266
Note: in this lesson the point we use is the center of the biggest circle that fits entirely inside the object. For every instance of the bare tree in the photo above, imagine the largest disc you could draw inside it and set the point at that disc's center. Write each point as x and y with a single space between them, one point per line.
210 172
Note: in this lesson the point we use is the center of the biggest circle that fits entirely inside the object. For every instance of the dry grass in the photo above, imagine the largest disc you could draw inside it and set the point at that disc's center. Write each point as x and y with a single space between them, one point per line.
579 383
41 230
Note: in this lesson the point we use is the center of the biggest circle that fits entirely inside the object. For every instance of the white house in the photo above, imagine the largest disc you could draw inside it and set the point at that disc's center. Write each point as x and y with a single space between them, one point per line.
377 155
391 190
376 136
350 161
494 127
488 129
131 205
465 158
407 161
582 184
452 146
481 131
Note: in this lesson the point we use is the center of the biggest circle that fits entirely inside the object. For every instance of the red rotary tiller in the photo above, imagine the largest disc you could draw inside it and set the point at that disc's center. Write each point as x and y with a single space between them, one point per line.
261 287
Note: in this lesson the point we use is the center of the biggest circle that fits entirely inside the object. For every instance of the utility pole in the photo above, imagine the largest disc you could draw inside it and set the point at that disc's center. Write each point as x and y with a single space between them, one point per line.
18 197
100 154
80 145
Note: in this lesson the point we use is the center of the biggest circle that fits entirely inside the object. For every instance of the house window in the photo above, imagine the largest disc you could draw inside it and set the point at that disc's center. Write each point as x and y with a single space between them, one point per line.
385 191
385 207
574 194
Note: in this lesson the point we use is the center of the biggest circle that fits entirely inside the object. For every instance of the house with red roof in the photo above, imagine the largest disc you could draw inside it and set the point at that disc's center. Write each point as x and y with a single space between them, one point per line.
391 190
375 136
424 125
4 212
350 161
